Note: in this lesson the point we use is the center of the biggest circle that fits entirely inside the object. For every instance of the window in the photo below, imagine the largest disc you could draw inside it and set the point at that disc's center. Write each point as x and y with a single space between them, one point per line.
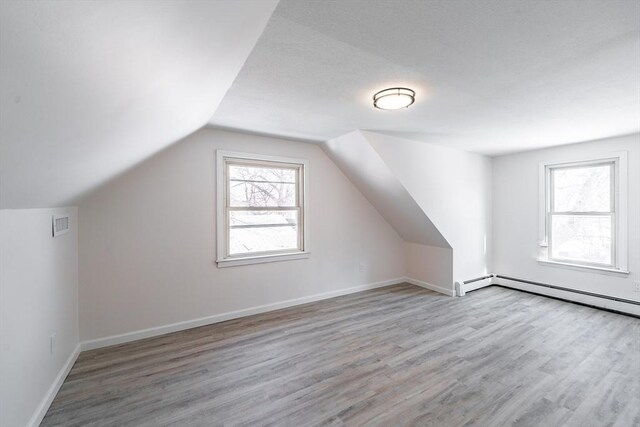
584 218
261 208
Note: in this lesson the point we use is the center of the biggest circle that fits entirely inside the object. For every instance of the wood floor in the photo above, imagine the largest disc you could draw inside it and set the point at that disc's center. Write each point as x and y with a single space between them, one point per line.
399 355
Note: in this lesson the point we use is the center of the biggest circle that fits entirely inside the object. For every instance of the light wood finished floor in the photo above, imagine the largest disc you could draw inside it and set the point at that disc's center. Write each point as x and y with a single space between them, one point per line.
399 355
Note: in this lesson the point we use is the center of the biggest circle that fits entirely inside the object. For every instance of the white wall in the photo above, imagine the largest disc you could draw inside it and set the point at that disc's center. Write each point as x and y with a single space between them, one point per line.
362 164
38 297
428 254
515 217
430 264
147 241
453 187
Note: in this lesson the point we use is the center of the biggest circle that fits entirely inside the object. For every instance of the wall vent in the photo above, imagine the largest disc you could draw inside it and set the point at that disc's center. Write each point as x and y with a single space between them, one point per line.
60 224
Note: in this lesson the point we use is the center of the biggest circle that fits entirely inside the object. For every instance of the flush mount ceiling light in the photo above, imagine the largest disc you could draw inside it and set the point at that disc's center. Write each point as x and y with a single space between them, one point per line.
394 98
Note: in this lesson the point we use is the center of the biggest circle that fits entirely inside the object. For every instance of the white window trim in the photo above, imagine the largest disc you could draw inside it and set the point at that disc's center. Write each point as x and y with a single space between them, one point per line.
221 231
621 209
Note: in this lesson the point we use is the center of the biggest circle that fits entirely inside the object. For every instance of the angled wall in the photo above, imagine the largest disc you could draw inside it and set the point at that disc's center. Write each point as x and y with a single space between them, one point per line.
435 197
84 99
356 157
453 187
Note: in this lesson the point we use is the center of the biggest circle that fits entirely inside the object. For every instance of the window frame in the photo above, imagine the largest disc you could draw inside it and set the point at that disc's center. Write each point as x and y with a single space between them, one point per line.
223 208
618 214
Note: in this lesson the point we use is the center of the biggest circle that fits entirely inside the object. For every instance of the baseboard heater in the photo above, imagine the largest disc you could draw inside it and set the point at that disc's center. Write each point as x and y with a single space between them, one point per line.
575 291
477 279
471 285
605 302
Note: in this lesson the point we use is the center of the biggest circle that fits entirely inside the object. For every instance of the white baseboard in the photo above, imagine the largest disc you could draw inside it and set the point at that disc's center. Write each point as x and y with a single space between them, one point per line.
570 296
39 414
462 289
203 321
430 286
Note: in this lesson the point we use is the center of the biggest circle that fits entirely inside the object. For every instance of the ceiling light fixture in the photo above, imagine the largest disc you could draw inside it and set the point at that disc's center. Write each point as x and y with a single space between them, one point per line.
394 98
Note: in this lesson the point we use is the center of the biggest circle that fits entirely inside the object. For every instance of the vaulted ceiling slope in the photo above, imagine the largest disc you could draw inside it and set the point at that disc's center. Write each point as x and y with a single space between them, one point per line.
360 162
491 76
430 194
88 89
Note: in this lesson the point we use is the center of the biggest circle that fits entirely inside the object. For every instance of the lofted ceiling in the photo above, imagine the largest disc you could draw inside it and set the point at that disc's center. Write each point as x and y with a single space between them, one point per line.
89 89
491 76
354 154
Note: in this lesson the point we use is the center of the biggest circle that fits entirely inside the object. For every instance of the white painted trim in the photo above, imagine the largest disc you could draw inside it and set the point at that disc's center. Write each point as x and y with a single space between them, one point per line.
570 296
430 286
463 288
42 409
580 267
621 195
221 231
216 318
232 262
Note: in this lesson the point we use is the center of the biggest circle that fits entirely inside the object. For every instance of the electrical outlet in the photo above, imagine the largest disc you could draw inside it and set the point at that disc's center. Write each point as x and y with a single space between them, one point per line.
362 266
52 343
636 286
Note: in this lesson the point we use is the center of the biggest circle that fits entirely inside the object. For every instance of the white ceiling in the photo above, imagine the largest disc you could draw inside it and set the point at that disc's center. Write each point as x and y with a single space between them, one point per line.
89 89
491 76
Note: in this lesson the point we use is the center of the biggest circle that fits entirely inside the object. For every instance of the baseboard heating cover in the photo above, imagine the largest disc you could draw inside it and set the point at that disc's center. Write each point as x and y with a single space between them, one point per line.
591 299
462 287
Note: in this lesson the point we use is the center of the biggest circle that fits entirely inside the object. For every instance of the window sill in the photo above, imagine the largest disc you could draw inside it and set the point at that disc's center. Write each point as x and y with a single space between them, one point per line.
232 262
578 267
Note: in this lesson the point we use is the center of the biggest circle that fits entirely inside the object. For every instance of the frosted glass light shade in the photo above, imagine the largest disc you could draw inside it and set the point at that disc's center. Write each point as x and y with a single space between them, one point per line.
394 98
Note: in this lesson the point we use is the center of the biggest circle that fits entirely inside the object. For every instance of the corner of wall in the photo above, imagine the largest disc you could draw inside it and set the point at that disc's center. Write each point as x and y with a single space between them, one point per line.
39 276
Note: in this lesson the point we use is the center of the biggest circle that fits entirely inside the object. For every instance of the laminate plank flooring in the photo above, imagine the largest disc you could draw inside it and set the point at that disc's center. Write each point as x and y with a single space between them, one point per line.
393 356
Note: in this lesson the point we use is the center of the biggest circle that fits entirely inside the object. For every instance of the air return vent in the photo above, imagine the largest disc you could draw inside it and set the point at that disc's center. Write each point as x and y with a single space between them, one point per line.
60 224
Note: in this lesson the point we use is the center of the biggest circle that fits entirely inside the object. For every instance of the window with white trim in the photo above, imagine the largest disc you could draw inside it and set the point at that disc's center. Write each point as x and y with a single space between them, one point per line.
585 214
261 208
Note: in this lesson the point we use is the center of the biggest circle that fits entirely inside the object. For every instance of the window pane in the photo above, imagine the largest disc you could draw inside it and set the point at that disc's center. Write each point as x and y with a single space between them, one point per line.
261 231
582 238
582 189
262 173
262 194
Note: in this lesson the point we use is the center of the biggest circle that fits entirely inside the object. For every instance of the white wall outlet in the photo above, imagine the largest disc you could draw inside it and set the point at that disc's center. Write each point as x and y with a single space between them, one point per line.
636 286
362 266
52 343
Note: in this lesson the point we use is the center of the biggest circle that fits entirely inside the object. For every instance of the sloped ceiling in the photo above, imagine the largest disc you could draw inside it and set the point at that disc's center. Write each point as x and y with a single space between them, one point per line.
88 89
491 76
360 162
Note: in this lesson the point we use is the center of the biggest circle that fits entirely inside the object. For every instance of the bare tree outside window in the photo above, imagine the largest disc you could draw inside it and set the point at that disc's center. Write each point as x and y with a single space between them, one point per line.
582 213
